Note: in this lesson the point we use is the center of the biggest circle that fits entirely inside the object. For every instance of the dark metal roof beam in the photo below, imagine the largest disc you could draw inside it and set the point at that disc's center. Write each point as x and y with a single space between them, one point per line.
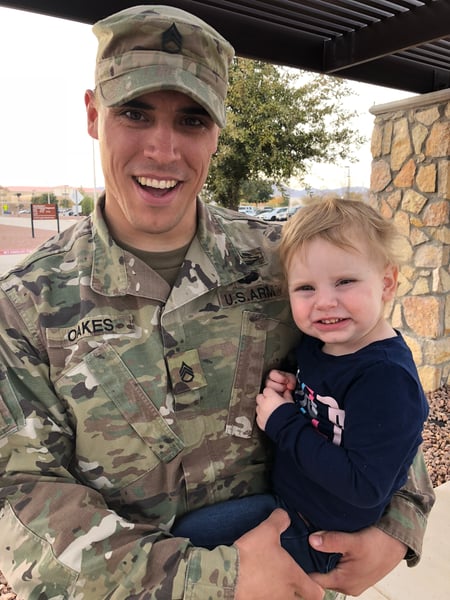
414 27
357 8
425 57
298 18
323 11
400 73
403 44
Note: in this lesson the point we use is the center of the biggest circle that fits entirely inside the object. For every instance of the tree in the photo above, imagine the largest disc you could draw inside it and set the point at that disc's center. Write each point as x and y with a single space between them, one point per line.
255 191
274 127
48 198
87 206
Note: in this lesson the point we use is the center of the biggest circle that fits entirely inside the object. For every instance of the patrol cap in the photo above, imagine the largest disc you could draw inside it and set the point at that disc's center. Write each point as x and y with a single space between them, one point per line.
151 48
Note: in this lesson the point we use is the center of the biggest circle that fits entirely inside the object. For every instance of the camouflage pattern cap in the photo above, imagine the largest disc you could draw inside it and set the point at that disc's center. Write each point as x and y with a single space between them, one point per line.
151 48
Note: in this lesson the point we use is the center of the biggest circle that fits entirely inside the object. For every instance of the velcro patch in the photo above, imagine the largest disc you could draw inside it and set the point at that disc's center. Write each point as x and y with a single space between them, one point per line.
245 295
89 327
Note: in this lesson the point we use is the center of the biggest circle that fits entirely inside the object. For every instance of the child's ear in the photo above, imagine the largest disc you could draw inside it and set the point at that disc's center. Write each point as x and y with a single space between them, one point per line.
390 278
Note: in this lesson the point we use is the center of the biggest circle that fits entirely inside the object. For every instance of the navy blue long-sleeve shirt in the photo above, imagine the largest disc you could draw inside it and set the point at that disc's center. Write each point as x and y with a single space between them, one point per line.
347 443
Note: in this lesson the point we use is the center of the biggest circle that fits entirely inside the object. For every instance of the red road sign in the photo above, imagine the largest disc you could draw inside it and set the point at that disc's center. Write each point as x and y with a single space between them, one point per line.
43 211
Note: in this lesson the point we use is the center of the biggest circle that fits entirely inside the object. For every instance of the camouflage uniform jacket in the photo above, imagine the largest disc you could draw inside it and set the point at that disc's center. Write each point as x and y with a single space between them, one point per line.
124 404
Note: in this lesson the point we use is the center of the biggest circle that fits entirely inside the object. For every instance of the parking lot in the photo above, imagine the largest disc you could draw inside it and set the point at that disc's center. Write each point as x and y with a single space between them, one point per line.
270 213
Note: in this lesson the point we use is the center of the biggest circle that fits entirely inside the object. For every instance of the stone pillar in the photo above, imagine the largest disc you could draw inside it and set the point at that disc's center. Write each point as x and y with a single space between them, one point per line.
410 183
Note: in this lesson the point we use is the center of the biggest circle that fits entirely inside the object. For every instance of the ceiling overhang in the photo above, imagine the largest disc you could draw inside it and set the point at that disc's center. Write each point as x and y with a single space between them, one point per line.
403 44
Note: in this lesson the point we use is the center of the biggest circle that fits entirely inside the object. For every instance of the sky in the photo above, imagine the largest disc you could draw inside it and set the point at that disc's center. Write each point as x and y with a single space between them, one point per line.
46 64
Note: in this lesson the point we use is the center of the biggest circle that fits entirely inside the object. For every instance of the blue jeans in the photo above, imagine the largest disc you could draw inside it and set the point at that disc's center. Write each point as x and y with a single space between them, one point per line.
225 522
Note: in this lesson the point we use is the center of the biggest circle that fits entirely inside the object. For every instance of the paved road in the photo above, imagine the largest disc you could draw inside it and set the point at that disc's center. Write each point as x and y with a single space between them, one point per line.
9 260
25 221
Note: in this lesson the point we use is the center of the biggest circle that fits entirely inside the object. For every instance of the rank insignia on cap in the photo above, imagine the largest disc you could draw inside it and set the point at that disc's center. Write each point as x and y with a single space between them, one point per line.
172 40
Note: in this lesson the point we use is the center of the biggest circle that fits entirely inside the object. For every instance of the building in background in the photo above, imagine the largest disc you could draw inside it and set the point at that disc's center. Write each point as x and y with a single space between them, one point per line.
14 199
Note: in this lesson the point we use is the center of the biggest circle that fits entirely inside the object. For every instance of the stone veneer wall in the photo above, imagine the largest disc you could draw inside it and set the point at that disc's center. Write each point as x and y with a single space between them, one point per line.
410 182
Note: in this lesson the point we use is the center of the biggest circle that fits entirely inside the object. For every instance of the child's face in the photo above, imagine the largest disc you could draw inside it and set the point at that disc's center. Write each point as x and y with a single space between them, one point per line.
339 295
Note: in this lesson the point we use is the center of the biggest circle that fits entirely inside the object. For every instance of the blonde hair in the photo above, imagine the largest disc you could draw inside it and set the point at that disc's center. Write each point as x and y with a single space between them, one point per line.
343 223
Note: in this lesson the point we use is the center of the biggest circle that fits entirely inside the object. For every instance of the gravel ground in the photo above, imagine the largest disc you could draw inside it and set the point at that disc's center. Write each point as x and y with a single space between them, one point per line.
436 447
436 436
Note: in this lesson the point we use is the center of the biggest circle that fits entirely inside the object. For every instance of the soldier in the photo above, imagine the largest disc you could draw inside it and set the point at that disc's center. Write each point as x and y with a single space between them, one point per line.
132 347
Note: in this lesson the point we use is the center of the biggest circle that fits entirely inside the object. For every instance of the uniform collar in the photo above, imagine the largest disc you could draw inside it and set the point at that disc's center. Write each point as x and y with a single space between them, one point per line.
222 252
228 243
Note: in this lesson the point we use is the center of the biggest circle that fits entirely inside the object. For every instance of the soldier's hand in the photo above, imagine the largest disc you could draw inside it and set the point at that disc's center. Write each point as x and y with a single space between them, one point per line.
266 570
368 555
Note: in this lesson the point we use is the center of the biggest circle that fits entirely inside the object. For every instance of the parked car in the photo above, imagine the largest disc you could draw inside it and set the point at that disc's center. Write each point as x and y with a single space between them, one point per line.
293 209
248 210
275 214
282 213
260 211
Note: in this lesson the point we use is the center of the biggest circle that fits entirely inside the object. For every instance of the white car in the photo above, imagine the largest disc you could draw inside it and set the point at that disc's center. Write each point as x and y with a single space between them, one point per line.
283 213
276 214
293 209
247 210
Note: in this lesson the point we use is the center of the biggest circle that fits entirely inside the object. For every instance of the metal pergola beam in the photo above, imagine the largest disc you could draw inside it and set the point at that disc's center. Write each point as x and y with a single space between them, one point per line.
417 26
387 49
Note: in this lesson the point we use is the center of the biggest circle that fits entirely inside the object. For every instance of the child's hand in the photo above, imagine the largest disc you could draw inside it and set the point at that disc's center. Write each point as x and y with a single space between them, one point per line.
280 381
267 402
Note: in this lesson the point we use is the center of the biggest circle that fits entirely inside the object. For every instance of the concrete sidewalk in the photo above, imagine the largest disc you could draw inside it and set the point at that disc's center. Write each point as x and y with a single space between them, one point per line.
430 580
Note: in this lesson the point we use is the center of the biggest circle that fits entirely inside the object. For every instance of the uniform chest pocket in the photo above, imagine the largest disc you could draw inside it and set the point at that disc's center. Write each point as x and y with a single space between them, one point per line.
120 433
